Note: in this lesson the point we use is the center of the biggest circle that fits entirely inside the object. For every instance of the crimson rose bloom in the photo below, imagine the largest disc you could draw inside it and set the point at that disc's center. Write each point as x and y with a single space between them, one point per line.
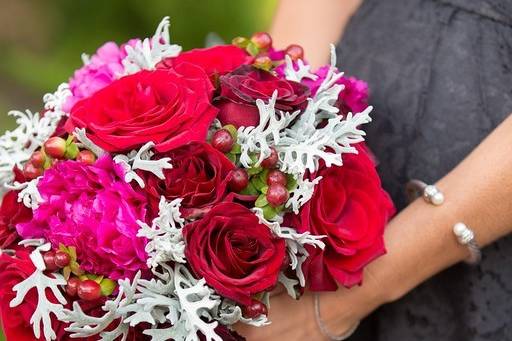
168 107
237 256
241 88
216 60
199 176
16 321
12 212
351 209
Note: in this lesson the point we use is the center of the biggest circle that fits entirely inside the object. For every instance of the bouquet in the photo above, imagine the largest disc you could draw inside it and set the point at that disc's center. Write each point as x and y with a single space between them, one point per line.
163 195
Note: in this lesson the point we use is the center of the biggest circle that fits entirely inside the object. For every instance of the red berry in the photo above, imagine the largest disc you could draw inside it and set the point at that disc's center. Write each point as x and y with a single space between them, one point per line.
62 259
55 147
49 261
262 40
271 161
86 156
295 52
239 180
275 176
31 172
255 309
277 195
38 159
89 290
72 286
223 141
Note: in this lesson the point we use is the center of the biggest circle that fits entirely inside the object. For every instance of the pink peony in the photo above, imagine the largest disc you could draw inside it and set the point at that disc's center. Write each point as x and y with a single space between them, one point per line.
103 68
92 208
353 98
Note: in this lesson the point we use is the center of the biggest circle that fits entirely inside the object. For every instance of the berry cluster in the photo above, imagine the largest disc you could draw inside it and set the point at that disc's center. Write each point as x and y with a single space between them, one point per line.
87 287
260 45
266 181
54 149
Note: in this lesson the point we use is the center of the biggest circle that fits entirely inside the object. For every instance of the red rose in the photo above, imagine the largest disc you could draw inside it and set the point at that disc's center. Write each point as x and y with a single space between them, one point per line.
16 321
237 256
350 207
199 176
12 213
168 107
241 88
216 60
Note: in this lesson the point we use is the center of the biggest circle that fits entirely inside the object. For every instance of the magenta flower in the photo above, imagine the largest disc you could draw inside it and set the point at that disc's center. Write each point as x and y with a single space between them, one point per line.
353 98
93 209
103 68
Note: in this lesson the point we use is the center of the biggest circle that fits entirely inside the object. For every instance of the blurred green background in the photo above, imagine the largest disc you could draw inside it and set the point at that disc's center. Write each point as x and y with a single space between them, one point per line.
41 41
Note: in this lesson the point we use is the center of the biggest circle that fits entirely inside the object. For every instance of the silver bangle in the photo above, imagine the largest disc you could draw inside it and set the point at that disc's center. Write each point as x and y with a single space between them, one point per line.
323 328
430 193
466 237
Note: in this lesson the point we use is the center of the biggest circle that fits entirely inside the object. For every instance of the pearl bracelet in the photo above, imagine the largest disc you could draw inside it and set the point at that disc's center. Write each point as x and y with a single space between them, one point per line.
432 195
466 236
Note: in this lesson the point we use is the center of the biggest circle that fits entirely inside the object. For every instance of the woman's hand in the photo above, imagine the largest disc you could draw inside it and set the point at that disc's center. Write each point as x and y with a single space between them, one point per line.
420 243
295 319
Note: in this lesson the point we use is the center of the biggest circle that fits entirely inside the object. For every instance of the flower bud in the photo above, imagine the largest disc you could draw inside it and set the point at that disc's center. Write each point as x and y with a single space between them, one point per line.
262 40
38 159
86 156
31 172
55 147
295 52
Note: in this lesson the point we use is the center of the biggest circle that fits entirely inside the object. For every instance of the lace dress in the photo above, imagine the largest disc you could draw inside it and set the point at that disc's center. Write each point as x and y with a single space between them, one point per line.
440 76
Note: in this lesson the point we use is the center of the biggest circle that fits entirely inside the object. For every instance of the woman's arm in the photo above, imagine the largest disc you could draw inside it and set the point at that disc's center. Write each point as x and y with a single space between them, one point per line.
312 24
419 240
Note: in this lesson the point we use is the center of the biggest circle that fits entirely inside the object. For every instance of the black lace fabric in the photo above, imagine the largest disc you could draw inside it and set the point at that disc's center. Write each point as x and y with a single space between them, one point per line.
440 76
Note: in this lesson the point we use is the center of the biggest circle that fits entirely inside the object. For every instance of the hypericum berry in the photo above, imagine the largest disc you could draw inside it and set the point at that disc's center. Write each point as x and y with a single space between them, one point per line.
262 40
72 286
271 161
239 180
86 156
55 147
275 176
295 52
62 259
31 172
263 62
89 290
49 261
38 159
223 141
255 309
277 195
